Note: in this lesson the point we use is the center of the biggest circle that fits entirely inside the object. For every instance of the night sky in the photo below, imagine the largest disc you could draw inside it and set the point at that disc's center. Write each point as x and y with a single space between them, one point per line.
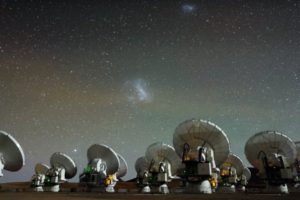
126 73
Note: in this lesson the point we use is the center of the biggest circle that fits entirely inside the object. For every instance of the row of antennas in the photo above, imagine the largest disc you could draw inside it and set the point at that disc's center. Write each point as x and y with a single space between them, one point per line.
207 161
195 141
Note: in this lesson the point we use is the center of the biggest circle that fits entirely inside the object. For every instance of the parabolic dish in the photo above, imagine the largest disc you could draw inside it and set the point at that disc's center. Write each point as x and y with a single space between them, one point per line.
234 161
198 133
141 165
122 171
160 151
247 173
41 168
62 160
105 153
298 150
269 142
12 152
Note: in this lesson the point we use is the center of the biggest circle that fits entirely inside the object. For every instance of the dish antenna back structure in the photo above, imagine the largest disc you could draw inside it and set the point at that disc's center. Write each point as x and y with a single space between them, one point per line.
64 164
160 153
164 164
141 166
41 168
233 162
234 173
273 154
104 167
202 146
103 158
62 168
38 179
11 153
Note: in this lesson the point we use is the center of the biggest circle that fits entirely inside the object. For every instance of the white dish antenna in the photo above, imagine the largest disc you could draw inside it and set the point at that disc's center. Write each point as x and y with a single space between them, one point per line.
159 152
202 133
106 154
11 153
41 168
122 171
234 161
61 160
269 143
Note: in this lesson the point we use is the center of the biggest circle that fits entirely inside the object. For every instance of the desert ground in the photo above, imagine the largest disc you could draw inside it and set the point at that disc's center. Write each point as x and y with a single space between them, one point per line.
23 191
92 195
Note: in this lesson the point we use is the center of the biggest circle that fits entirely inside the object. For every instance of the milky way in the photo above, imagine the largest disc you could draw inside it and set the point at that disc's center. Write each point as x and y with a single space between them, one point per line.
125 74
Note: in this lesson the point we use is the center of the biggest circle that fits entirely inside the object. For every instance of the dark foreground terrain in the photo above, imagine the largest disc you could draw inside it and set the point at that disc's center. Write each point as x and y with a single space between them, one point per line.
128 190
84 196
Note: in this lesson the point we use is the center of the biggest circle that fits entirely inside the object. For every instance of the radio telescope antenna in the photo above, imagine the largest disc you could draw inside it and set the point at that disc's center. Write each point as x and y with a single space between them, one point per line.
202 147
62 168
273 154
200 132
61 160
268 143
11 153
106 154
234 173
141 165
234 161
104 168
160 152
38 179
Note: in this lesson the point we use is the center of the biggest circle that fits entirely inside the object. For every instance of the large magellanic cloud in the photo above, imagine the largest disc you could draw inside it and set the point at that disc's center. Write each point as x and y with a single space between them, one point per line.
137 91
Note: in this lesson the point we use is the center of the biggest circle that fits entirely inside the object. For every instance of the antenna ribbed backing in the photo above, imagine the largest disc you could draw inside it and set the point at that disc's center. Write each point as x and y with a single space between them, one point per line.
62 160
12 152
141 165
269 142
160 151
41 168
105 153
234 161
199 132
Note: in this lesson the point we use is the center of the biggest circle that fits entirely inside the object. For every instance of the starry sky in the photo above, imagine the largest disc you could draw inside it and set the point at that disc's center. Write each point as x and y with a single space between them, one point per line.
126 73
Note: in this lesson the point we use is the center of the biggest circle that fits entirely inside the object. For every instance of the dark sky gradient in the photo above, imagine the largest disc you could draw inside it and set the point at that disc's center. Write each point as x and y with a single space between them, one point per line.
126 73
